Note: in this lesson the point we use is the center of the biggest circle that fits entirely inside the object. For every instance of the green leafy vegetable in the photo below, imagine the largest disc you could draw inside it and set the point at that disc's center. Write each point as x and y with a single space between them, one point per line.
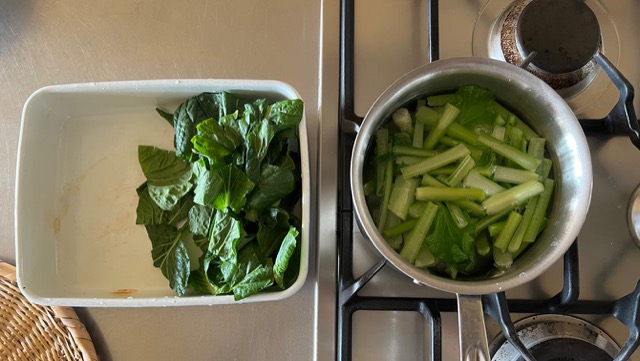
458 183
231 188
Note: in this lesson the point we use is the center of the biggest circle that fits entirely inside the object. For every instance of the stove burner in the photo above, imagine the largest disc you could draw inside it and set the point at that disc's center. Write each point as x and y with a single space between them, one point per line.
566 349
556 337
633 215
564 34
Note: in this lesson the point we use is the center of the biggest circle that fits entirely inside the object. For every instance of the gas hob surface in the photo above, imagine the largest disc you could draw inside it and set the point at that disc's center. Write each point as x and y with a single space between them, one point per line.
391 38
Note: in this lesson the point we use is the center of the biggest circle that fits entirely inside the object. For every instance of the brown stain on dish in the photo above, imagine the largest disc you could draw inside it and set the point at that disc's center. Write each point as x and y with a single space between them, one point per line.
124 292
70 191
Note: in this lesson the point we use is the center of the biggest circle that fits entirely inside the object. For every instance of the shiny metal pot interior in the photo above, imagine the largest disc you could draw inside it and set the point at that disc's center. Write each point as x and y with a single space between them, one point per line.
547 113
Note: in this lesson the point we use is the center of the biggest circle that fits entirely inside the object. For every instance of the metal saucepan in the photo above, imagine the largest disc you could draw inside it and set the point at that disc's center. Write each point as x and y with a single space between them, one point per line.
548 114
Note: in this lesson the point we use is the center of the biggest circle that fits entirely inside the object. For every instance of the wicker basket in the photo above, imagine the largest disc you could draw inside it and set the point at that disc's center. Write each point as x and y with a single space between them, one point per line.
32 332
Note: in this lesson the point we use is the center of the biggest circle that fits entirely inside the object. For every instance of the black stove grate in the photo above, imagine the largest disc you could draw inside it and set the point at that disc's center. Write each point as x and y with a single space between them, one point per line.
621 120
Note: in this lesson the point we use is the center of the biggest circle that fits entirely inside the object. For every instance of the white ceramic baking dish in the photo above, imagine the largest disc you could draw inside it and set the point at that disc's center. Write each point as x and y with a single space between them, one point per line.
77 242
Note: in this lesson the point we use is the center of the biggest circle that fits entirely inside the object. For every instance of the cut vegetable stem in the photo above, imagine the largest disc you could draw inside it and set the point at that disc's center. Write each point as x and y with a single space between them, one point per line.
512 197
516 155
448 194
439 160
417 236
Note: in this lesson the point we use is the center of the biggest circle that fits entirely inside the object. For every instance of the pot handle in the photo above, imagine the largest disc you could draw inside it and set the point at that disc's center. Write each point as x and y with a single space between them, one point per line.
471 329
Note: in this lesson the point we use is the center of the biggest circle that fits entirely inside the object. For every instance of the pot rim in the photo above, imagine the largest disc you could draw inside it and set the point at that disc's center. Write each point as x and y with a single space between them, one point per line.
567 231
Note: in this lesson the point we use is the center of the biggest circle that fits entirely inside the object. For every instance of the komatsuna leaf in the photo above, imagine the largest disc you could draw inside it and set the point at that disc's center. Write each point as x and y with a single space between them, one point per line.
246 275
148 212
193 111
257 146
273 226
200 220
214 140
167 116
274 184
168 196
476 106
452 245
208 184
208 278
225 233
169 253
289 244
234 189
161 167
286 114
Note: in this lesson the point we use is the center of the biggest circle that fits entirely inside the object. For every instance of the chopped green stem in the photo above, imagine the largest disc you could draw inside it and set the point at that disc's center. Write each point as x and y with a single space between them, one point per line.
402 196
388 184
513 175
512 197
488 220
499 133
527 215
382 148
482 245
537 220
519 157
439 160
499 121
417 236
415 210
448 194
473 208
545 168
503 260
446 171
418 134
403 120
496 228
442 99
448 116
425 258
399 229
476 180
510 226
428 180
417 152
408 160
463 169
527 132
428 116
457 214
536 147
447 140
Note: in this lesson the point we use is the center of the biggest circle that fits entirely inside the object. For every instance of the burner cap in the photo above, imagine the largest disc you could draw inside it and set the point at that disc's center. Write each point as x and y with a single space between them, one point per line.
564 34
566 349
556 337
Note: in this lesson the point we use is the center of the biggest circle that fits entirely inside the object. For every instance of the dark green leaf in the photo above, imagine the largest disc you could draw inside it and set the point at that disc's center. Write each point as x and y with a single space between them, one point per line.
476 106
286 114
247 275
224 236
284 255
234 189
170 254
207 184
452 245
168 196
257 145
274 184
167 116
148 212
273 226
200 220
161 167
214 140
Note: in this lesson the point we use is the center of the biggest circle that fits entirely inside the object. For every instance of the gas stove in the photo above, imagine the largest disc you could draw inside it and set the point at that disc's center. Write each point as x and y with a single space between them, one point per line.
368 311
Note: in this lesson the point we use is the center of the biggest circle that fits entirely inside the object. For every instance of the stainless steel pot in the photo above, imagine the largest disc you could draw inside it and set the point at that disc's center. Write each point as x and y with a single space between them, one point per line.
548 114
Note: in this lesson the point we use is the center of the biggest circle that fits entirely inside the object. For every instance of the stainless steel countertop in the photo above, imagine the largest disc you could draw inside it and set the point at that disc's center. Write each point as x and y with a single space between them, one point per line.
69 41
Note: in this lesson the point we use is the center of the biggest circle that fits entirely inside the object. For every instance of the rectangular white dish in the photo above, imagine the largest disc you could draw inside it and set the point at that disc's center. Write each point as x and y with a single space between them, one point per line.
77 242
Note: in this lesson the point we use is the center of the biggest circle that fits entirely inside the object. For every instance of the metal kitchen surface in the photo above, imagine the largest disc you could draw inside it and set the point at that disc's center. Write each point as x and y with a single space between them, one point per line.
68 41
386 40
